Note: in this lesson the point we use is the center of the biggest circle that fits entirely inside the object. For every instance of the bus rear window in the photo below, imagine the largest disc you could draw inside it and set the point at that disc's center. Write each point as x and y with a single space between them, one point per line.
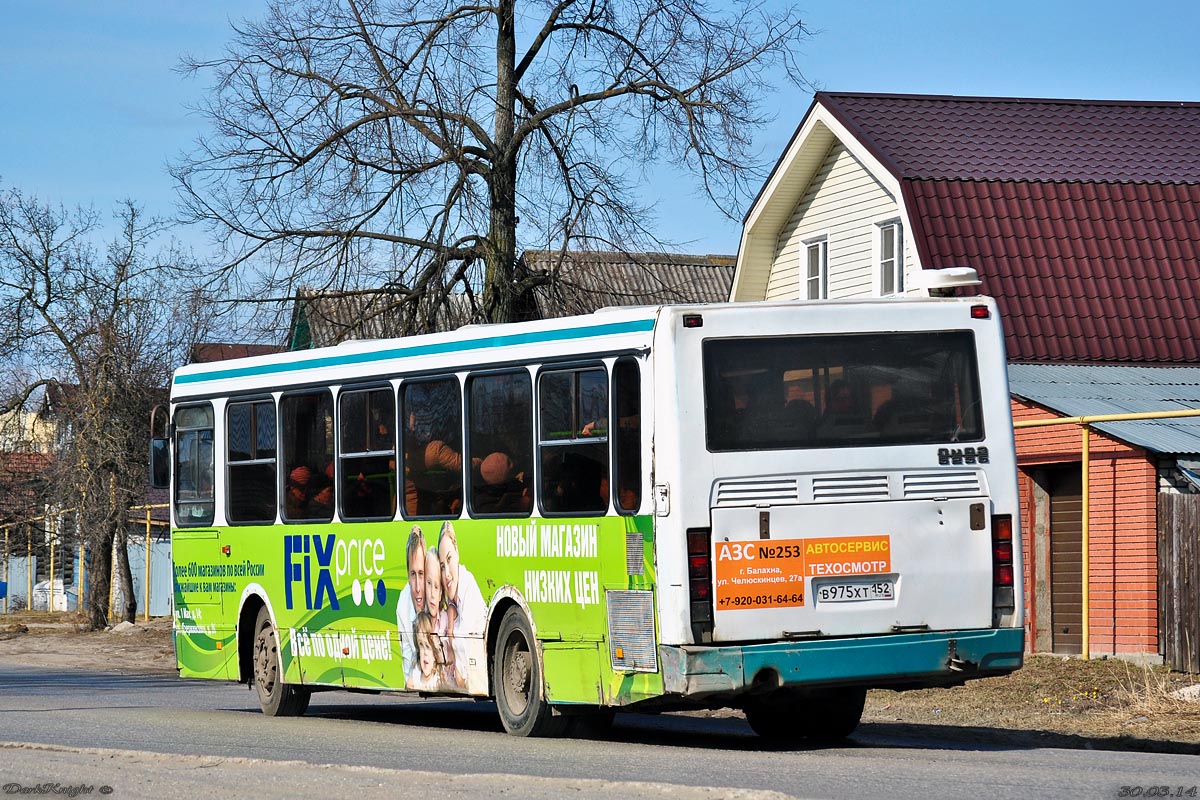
854 390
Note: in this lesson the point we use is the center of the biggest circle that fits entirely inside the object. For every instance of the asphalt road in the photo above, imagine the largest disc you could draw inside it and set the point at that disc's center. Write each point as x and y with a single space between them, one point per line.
460 740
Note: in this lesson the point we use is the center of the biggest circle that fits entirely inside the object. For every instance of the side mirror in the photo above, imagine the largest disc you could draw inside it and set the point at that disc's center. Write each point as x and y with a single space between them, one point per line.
160 463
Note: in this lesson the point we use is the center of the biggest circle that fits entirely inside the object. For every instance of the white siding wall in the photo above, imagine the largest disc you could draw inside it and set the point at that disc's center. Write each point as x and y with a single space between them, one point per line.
845 202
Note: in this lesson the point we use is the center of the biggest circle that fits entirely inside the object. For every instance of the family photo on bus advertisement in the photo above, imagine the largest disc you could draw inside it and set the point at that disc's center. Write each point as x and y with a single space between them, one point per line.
440 617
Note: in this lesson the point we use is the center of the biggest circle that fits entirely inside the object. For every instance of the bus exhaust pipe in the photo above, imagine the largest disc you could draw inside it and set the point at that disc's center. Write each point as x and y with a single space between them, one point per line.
766 680
956 664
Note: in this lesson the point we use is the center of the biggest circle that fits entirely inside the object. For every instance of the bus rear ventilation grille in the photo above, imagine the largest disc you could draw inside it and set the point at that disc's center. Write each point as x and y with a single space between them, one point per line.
919 485
754 491
850 488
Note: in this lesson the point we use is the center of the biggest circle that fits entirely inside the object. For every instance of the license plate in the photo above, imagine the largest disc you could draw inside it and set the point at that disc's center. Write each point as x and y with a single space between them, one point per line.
855 591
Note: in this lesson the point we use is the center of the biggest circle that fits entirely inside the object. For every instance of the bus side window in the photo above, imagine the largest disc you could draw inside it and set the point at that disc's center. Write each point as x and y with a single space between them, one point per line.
194 465
500 443
367 449
627 411
250 454
307 439
431 440
573 441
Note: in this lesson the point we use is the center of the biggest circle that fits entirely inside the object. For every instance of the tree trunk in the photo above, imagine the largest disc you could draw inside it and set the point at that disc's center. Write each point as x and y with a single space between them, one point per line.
99 579
499 288
124 575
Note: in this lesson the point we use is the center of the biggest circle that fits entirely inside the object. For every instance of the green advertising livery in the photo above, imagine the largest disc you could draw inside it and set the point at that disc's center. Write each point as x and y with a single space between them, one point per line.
346 614
770 507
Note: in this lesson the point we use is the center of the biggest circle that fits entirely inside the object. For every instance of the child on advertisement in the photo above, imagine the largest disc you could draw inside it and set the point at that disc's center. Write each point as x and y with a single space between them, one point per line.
426 675
443 619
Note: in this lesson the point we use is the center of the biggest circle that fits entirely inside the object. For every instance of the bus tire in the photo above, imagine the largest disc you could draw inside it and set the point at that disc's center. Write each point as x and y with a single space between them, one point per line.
833 714
775 719
825 716
277 699
518 680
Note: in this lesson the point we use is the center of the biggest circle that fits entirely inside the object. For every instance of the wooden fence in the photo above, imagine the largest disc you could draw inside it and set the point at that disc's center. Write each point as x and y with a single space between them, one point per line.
1179 580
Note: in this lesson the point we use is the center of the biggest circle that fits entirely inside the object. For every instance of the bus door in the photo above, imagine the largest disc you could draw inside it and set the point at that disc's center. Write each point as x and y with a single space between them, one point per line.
196 550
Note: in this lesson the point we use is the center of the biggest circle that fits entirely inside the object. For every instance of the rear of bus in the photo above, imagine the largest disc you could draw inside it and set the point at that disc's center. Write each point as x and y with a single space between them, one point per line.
836 508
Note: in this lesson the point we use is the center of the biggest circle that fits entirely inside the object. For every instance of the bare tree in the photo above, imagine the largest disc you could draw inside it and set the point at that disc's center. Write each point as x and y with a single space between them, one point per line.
417 145
101 331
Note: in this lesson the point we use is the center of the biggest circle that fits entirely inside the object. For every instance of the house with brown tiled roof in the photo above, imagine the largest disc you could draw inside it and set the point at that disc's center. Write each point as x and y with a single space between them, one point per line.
1082 218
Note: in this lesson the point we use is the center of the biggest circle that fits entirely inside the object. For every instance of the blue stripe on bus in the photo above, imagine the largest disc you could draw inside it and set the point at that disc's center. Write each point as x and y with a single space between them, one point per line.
512 340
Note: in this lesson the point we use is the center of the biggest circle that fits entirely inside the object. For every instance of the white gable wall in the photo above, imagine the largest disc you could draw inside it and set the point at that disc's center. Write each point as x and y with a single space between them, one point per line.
827 183
843 203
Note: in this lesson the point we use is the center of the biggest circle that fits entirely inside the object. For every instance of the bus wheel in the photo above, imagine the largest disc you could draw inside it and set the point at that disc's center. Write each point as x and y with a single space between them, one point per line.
517 675
833 714
827 715
277 699
775 719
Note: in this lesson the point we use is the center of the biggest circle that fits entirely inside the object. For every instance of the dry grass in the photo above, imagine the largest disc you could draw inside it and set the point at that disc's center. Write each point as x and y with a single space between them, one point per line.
1096 703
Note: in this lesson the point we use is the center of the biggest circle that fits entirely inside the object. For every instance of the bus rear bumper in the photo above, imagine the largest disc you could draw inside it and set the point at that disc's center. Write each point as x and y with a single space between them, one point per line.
907 660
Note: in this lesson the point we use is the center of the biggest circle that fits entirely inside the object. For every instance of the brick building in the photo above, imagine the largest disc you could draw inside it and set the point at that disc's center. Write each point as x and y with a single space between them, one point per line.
1142 569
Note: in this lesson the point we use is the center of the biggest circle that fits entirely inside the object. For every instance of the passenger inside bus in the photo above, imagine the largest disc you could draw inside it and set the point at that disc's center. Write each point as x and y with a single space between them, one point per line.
498 487
844 416
903 415
433 486
759 407
309 493
799 420
574 479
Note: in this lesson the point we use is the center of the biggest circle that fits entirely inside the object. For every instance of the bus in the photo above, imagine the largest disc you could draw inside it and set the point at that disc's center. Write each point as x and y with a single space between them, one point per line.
765 506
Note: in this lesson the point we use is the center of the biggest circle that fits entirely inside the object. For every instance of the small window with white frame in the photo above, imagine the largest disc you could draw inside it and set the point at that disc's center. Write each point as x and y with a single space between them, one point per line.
816 269
891 257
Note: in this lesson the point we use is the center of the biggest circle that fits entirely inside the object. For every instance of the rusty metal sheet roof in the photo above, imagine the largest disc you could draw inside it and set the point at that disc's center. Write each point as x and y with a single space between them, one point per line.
205 352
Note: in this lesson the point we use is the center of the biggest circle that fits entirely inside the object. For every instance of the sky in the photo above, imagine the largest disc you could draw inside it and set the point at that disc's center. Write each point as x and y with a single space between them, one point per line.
94 108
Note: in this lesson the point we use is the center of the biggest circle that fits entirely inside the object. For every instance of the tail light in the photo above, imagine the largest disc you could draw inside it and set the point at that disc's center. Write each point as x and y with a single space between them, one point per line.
699 558
1002 551
1003 579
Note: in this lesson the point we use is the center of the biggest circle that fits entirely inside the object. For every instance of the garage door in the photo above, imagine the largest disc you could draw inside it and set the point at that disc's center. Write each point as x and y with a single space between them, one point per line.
1066 560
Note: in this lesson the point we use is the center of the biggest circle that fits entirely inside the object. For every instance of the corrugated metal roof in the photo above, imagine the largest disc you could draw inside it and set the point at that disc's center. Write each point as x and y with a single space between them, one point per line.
1083 390
580 283
1025 139
324 318
586 281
